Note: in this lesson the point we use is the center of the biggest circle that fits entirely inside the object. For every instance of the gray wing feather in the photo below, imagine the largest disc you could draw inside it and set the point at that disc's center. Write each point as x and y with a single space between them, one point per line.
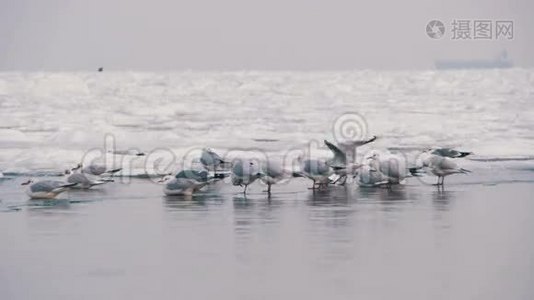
47 186
340 158
273 170
316 167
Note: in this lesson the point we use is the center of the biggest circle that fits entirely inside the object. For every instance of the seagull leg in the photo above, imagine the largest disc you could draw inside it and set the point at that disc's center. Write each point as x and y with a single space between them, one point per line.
269 188
245 190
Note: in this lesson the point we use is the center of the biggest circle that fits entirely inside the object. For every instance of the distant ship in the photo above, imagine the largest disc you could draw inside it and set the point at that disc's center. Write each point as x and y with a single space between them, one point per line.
500 62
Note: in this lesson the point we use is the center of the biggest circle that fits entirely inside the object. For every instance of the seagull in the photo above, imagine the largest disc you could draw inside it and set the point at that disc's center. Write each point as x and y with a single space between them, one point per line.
425 158
245 172
132 152
392 167
210 159
94 169
448 152
442 166
85 181
316 170
46 189
369 176
187 182
339 163
272 173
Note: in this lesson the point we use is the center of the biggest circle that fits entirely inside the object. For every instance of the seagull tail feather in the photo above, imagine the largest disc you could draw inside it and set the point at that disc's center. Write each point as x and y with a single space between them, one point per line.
464 154
68 185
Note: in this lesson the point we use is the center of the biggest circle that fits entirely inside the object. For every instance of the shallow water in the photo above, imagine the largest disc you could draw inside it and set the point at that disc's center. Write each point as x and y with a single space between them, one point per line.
468 241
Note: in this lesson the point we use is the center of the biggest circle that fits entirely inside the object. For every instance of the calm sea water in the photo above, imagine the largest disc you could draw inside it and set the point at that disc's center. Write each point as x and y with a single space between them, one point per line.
127 241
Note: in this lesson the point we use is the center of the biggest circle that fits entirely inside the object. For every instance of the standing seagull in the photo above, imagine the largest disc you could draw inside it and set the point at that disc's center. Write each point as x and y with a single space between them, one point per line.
46 189
272 173
318 171
245 172
211 160
392 167
368 176
443 166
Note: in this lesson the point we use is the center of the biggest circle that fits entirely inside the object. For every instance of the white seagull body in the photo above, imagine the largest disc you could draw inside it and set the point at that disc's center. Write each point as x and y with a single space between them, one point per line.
85 181
392 167
318 171
245 172
369 176
442 166
187 182
272 173
46 189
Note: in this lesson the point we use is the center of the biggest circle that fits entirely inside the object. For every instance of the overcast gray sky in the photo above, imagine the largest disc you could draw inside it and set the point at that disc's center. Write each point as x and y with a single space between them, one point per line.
249 34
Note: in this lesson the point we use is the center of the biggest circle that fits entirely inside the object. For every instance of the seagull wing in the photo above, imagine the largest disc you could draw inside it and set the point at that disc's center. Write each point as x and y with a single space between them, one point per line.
340 158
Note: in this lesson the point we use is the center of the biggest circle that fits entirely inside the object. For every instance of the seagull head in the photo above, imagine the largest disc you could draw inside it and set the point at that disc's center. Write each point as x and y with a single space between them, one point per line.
164 178
374 156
